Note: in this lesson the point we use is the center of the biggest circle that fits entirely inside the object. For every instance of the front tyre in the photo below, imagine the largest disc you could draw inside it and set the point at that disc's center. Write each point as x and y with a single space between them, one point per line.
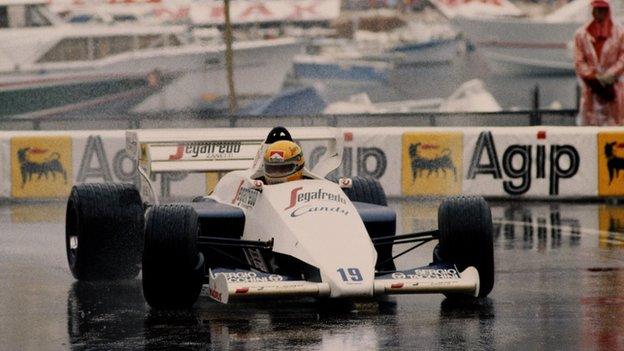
173 268
104 231
465 225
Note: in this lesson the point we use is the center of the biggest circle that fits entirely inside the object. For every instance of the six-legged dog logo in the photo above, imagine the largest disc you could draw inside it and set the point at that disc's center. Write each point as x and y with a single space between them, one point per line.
49 166
614 163
441 162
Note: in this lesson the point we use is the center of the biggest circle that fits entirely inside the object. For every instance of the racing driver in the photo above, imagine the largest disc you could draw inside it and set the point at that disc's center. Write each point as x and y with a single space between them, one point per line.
283 162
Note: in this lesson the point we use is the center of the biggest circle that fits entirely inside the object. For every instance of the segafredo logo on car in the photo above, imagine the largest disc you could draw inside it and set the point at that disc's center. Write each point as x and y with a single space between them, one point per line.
305 202
436 274
207 150
250 277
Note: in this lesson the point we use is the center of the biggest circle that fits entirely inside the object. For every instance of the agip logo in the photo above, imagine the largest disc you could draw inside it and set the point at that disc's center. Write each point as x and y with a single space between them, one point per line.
41 167
610 164
432 163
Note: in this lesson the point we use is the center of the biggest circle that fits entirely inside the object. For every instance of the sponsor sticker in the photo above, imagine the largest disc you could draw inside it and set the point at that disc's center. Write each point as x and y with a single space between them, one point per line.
214 150
276 156
247 197
611 163
41 167
432 163
435 274
307 202
215 294
250 277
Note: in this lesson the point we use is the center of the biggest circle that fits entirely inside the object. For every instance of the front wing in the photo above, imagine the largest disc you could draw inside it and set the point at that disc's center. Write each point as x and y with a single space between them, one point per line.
226 285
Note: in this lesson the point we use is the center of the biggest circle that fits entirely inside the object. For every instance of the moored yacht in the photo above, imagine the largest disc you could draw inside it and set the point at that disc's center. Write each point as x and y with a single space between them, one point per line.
49 67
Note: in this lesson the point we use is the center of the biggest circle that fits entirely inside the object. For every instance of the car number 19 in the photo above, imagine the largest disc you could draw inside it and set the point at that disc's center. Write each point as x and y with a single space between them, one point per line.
350 274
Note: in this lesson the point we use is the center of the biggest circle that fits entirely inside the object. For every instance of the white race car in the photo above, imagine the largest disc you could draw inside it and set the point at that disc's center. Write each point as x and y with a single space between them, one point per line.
311 237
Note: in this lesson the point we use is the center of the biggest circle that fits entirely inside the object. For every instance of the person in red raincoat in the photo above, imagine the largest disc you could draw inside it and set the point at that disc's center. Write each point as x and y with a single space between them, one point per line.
599 63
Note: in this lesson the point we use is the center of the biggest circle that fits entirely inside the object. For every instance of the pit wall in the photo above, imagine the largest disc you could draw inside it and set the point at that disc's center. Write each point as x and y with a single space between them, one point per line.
524 162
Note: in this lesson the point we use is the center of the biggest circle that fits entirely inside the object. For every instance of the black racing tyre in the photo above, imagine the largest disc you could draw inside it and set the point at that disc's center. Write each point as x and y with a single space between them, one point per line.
465 225
365 189
173 267
104 231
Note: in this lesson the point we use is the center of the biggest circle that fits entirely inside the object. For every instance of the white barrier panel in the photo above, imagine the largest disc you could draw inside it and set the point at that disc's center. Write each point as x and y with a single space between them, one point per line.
101 157
368 153
38 165
533 162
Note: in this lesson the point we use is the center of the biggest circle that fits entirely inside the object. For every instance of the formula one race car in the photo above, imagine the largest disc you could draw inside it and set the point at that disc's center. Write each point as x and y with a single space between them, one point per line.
311 237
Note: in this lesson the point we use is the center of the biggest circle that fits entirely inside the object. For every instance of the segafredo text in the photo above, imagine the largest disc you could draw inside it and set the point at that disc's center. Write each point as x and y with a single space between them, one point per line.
305 199
209 150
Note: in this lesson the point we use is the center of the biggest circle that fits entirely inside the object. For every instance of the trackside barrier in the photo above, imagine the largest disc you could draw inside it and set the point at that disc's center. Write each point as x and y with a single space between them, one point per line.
115 121
523 162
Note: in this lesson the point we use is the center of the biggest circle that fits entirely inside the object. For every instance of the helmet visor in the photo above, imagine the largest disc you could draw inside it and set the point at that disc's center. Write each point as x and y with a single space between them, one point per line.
279 170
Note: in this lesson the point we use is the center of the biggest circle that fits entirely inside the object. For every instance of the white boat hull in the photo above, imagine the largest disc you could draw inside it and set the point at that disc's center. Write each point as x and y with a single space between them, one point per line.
522 45
174 79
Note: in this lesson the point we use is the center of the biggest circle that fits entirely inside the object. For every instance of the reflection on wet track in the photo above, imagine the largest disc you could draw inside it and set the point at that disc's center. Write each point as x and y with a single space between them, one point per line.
559 285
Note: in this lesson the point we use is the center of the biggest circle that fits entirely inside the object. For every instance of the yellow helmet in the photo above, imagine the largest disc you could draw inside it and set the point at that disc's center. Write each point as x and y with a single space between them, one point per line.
283 161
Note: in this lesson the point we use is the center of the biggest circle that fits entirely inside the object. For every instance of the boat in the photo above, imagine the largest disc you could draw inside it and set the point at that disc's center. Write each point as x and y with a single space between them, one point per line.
523 45
471 96
370 56
49 67
414 43
337 60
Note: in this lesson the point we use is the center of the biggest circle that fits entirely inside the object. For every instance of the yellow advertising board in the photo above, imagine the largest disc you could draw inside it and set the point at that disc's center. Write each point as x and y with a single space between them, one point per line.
611 226
611 163
41 167
212 178
431 163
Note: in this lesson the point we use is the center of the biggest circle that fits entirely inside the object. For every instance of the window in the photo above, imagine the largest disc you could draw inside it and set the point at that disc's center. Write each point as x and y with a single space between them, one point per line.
150 41
35 18
125 18
172 40
103 47
80 19
120 44
71 49
4 17
17 16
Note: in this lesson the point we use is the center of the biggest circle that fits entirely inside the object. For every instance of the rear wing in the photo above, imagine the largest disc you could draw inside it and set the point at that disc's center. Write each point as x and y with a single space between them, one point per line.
218 149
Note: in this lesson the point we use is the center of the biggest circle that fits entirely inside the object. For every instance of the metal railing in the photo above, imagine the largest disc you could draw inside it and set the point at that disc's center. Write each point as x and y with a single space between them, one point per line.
207 120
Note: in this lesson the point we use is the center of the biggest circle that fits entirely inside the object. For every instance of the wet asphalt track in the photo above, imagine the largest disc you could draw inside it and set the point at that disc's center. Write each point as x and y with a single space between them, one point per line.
559 285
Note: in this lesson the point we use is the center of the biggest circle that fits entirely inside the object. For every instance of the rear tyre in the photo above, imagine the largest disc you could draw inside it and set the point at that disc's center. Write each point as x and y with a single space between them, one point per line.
104 231
367 190
173 268
465 224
